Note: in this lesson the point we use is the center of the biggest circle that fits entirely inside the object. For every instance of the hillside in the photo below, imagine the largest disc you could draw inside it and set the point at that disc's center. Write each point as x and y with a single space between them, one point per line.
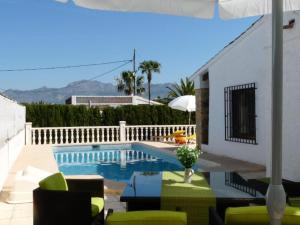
83 87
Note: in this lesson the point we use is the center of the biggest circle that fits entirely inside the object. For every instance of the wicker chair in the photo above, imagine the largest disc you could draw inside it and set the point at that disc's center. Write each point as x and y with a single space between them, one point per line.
72 206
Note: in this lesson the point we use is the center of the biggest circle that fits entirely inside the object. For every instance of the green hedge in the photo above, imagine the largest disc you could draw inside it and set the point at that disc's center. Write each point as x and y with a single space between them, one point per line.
44 115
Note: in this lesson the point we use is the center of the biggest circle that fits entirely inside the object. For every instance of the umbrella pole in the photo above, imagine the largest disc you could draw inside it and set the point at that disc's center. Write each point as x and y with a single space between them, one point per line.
186 135
276 199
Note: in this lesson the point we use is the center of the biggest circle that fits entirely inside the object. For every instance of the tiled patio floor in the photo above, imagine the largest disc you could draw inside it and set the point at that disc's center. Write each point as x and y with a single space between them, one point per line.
42 157
15 214
21 214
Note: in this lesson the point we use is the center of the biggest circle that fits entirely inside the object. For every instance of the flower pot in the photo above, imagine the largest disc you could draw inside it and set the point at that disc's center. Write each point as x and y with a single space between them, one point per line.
188 173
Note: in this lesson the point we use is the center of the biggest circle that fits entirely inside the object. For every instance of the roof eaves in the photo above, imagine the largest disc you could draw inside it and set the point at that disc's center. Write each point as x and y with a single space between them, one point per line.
10 99
7 97
106 96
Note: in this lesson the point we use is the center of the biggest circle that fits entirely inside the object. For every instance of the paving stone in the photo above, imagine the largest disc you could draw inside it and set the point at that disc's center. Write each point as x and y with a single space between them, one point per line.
6 214
22 221
5 221
23 206
114 205
22 213
112 198
5 206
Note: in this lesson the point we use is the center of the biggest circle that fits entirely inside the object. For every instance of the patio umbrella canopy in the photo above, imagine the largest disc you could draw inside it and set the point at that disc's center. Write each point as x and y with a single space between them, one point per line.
229 9
186 103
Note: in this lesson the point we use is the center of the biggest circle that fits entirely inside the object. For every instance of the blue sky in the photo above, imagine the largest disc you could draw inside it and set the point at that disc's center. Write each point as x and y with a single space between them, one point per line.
38 33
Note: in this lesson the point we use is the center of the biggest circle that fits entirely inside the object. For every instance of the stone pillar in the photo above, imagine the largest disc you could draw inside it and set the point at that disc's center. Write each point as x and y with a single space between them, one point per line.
198 117
28 137
202 115
122 131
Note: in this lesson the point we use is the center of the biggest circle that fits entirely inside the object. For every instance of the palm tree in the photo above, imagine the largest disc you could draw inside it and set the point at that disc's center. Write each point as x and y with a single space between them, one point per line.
149 67
186 87
125 83
139 84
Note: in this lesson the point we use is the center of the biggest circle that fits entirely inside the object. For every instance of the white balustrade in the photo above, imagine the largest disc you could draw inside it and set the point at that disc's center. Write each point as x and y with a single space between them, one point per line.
74 135
105 134
155 132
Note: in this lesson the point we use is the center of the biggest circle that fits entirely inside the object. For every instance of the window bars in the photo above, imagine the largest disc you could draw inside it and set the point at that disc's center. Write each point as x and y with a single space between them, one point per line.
240 117
236 181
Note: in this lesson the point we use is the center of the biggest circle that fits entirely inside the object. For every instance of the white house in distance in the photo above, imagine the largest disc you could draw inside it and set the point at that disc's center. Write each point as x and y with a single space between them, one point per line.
106 101
233 92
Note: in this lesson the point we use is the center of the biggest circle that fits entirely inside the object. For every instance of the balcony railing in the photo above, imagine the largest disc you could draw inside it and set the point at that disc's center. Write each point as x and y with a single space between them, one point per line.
74 135
102 134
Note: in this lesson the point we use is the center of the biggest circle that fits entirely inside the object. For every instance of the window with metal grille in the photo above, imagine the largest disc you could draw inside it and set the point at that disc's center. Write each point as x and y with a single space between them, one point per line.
240 117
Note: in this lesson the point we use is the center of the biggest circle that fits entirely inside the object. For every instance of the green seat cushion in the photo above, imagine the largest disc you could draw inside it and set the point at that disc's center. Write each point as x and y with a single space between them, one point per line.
265 180
97 205
147 218
258 215
54 182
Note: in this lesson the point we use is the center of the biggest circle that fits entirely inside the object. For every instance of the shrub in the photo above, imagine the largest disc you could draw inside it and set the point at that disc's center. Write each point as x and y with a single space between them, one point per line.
46 115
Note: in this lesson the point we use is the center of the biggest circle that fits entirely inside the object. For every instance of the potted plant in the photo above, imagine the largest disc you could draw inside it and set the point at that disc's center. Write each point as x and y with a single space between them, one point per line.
188 157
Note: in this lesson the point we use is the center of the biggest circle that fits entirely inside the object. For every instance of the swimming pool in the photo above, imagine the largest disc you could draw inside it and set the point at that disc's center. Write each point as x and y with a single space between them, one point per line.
114 162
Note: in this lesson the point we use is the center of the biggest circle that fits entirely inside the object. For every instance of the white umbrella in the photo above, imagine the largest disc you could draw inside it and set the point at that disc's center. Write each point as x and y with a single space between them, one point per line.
231 9
185 103
228 9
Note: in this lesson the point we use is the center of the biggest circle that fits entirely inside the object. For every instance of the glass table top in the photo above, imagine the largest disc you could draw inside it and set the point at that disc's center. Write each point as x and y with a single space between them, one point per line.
223 184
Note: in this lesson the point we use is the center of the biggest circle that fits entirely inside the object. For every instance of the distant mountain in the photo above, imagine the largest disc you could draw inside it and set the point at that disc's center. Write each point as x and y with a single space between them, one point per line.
83 87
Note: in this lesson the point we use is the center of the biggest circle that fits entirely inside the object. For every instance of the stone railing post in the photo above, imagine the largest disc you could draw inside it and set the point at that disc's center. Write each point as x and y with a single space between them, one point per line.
28 134
122 131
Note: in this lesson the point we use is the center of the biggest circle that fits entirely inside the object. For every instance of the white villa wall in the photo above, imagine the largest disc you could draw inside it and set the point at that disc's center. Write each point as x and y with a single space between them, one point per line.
248 60
291 102
12 134
234 67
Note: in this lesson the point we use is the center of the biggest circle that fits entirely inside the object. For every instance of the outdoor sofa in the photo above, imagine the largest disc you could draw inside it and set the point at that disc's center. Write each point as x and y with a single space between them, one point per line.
74 200
60 201
147 217
250 215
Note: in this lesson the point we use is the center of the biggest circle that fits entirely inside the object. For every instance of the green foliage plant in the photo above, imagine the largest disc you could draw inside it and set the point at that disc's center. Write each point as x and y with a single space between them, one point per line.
187 156
130 84
185 87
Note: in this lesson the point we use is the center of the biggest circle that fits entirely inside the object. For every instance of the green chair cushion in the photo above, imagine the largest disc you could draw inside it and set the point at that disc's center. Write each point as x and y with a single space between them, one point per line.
258 215
54 182
97 205
57 182
265 180
147 218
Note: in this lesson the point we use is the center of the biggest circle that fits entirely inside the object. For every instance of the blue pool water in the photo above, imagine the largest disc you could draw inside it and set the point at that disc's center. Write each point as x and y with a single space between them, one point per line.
115 162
